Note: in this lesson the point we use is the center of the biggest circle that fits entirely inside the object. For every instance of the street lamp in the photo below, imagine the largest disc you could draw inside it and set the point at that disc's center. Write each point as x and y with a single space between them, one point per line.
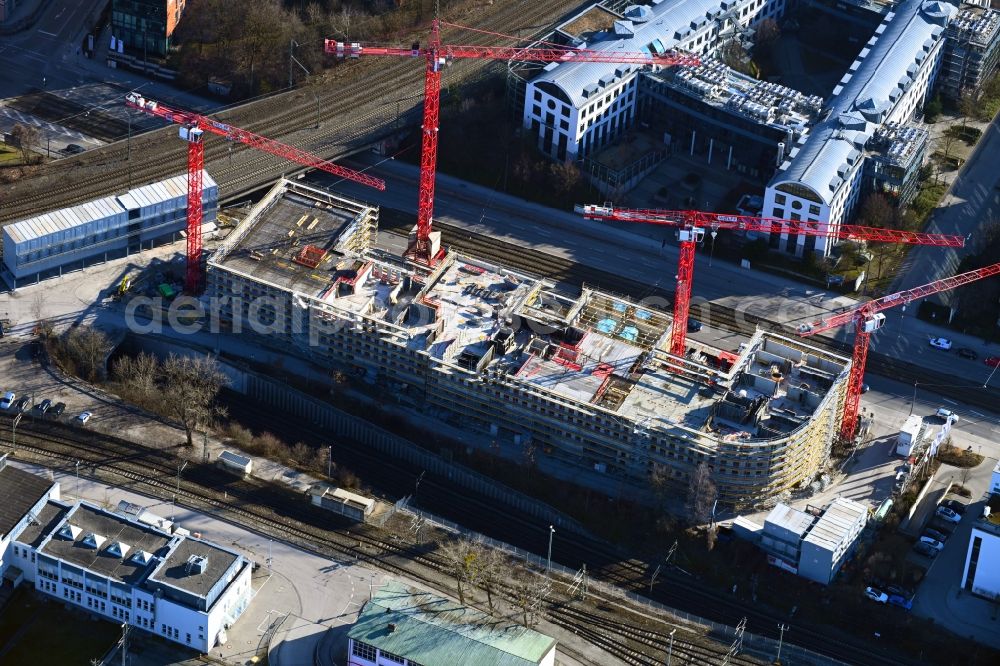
552 531
173 509
914 400
711 252
670 650
781 639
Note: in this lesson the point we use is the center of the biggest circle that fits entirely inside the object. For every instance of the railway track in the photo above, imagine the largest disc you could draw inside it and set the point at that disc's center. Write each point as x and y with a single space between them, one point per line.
274 512
347 109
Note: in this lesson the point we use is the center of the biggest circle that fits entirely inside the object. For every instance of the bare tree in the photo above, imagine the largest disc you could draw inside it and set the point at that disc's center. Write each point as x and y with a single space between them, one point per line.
766 33
968 105
461 556
87 348
711 535
878 211
137 376
964 475
27 136
659 483
701 495
529 594
190 387
492 571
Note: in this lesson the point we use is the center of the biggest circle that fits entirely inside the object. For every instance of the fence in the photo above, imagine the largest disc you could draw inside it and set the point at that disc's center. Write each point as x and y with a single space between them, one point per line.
345 425
755 644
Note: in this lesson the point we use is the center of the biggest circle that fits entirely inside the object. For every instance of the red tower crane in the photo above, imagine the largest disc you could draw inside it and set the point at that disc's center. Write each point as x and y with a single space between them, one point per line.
436 56
692 226
193 127
867 319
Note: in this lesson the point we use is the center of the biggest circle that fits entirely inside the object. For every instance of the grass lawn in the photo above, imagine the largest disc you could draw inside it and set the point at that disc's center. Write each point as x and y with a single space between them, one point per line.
9 156
44 633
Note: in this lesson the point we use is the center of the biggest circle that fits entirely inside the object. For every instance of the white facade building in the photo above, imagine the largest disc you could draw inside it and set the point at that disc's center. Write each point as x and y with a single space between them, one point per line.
578 108
107 228
25 495
181 588
981 574
831 540
889 81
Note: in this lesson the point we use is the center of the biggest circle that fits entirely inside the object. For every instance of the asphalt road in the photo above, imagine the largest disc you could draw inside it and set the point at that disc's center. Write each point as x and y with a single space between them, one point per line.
972 202
637 252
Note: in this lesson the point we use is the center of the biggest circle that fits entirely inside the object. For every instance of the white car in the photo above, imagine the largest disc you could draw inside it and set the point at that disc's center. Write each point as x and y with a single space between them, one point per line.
876 595
941 343
945 513
83 417
946 414
933 543
7 400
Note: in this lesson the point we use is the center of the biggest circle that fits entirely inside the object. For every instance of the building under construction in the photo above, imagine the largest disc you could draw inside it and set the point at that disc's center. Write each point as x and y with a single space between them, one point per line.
583 378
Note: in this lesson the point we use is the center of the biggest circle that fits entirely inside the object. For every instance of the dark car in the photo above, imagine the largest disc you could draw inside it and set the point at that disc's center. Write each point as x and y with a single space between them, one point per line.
899 591
59 408
901 601
955 506
925 549
694 325
934 534
43 406
20 406
74 149
965 352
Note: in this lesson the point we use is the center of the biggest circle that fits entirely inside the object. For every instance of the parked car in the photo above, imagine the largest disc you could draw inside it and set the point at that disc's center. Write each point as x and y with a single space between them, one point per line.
933 543
934 534
74 149
992 361
899 591
865 388
941 343
59 408
694 325
945 414
20 406
965 352
901 601
948 514
804 328
925 550
7 400
43 406
955 506
83 418
876 595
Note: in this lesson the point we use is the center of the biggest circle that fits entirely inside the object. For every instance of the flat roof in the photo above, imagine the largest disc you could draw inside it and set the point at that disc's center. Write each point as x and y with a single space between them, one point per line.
176 572
789 518
428 629
46 520
21 490
837 523
88 525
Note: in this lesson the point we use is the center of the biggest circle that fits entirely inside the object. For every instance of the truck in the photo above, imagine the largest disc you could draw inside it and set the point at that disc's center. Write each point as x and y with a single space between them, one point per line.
910 435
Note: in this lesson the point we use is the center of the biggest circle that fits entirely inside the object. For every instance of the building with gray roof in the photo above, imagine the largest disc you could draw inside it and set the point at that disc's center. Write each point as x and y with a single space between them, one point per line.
971 51
831 540
176 586
406 626
576 108
25 498
821 179
106 228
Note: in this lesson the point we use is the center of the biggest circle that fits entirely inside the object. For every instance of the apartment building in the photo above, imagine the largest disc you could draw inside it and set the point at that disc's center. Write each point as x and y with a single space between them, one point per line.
584 379
981 573
822 178
971 51
26 495
146 25
578 108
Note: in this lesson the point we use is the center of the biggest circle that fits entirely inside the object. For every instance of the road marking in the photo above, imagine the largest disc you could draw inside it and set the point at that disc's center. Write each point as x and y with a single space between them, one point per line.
50 34
950 402
977 413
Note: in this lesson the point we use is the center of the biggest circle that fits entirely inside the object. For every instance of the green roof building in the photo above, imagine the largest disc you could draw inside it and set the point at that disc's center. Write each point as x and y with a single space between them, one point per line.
403 626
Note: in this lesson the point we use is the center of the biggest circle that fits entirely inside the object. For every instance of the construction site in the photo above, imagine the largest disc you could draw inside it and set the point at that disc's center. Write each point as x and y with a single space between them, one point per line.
586 378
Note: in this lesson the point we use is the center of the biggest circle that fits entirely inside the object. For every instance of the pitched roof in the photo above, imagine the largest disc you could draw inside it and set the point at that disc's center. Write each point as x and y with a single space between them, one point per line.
21 491
878 77
431 630
837 523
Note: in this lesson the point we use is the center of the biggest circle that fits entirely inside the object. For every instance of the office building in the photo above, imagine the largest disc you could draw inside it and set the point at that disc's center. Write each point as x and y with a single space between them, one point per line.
108 228
575 109
971 51
583 379
822 178
146 26
981 574
403 626
25 496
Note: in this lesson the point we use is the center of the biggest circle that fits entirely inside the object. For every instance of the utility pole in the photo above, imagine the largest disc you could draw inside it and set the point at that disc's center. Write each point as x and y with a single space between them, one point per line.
552 531
914 400
124 643
13 431
781 639
652 579
670 649
77 478
180 468
329 465
416 486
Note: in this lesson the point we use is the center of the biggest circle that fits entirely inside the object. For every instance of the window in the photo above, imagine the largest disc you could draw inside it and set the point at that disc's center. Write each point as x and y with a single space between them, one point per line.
813 210
388 656
363 650
778 212
797 205
780 199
